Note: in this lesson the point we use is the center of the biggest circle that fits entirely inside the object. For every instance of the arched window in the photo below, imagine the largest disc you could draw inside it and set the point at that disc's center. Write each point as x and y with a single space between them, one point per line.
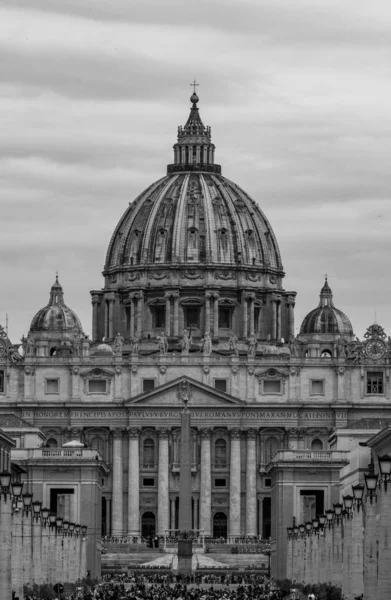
97 443
220 453
51 443
326 354
271 448
148 453
316 444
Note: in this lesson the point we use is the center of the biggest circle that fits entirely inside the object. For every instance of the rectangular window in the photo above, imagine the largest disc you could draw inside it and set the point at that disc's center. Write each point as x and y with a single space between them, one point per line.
375 382
148 482
148 385
272 387
160 317
317 386
221 385
220 483
97 386
192 317
225 318
1 382
268 482
52 386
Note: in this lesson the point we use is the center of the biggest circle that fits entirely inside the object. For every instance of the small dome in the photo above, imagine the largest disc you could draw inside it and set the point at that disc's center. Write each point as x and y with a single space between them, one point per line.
103 349
56 316
326 318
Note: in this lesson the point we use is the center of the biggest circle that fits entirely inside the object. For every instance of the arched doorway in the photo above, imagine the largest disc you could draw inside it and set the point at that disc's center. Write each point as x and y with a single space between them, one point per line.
148 524
220 525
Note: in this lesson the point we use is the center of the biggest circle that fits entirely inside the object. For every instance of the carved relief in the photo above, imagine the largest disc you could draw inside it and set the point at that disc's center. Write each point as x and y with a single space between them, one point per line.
253 276
226 275
192 274
132 275
158 275
235 433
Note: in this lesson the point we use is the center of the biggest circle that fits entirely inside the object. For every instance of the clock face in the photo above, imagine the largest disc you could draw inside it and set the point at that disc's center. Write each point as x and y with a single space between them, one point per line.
375 349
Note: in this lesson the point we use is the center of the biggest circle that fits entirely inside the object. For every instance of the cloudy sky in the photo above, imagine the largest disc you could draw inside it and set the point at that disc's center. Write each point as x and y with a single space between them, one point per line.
298 94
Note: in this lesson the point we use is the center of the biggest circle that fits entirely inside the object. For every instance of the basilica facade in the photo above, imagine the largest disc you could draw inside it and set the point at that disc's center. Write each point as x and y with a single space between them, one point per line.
193 302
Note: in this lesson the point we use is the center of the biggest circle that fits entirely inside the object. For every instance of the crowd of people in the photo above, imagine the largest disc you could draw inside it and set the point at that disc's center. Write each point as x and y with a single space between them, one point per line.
186 590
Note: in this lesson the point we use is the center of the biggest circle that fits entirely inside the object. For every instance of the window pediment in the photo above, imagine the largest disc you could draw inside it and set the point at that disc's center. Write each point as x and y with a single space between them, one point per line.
271 374
191 302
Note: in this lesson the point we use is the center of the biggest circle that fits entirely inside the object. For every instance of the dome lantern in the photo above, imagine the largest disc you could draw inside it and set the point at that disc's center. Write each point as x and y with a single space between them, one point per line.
194 150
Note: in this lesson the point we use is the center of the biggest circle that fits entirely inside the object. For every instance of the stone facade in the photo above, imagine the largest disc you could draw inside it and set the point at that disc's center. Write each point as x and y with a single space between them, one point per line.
193 291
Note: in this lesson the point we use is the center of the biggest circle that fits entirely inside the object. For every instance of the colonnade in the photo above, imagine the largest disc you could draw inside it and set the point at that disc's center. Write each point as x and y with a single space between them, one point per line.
349 545
36 546
164 501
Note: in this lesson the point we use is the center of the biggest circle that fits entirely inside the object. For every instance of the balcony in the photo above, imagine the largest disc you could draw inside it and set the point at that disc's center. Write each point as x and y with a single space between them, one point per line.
302 457
56 454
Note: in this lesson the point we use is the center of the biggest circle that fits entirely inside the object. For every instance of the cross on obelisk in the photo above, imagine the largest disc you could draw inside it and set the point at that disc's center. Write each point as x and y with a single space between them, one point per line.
194 85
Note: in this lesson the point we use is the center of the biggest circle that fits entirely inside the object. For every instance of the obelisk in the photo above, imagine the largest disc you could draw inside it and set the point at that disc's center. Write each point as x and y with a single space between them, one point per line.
185 544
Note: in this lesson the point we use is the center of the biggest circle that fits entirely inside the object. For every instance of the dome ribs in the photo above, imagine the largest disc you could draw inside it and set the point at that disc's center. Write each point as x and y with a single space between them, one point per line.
237 234
211 245
178 238
115 251
147 253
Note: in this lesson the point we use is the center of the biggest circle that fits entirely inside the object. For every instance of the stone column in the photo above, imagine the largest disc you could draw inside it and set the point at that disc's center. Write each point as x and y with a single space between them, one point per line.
370 549
274 317
215 315
134 482
106 323
337 553
384 549
244 315
196 504
27 547
37 543
175 296
357 562
347 558
131 316
111 300
291 313
251 302
118 499
205 483
172 513
251 483
5 547
163 491
140 310
95 303
234 484
207 312
167 296
17 552
279 319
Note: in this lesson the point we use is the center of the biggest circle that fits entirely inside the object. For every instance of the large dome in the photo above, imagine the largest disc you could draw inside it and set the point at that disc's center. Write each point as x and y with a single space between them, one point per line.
56 316
194 215
326 318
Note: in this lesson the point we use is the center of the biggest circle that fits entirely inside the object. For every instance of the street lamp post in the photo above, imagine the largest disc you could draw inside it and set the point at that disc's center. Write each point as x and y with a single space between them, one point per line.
5 535
17 538
370 538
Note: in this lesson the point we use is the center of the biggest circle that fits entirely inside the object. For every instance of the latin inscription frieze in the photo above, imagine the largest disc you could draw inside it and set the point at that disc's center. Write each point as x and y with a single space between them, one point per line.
242 413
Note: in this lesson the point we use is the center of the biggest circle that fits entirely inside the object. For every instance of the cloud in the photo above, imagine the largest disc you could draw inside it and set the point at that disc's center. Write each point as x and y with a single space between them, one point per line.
298 98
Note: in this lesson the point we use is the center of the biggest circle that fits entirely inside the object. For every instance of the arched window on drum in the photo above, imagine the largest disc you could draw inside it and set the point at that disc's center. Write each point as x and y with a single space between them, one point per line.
220 453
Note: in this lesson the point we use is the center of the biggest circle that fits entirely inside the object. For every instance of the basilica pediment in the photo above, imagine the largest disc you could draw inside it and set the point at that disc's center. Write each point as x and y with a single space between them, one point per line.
185 390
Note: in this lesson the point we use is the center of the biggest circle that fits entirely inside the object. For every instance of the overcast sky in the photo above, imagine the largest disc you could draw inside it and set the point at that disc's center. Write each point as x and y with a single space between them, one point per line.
298 94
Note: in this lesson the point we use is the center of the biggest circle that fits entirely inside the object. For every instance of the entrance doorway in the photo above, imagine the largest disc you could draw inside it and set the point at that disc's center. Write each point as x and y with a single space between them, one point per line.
148 524
220 525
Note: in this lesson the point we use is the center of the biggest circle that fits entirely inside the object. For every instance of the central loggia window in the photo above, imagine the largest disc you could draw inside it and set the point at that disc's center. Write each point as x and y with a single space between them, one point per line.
375 383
